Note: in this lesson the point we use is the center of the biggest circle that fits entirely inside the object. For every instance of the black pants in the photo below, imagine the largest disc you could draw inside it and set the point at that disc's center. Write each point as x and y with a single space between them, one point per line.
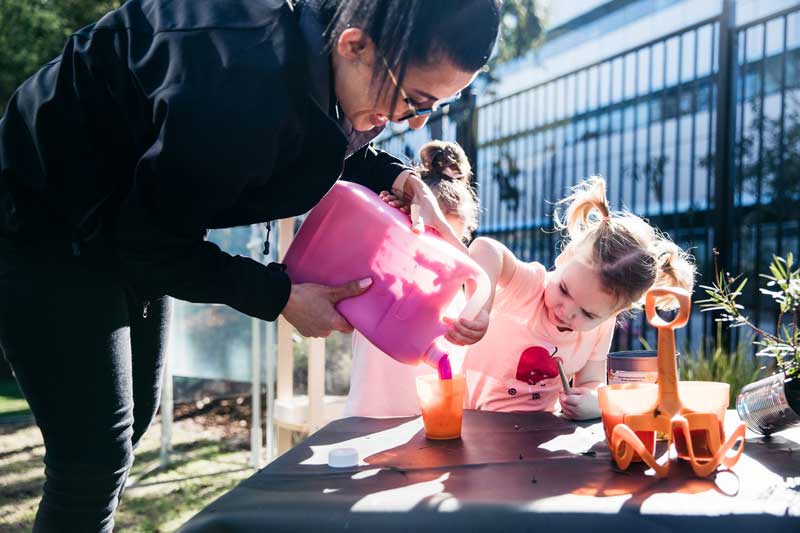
89 364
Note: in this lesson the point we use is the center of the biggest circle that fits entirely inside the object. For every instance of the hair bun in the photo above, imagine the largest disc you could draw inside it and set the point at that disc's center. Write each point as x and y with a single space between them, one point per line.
444 160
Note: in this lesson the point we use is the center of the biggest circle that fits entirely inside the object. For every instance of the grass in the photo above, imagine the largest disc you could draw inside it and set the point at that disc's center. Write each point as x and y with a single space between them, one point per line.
12 404
205 465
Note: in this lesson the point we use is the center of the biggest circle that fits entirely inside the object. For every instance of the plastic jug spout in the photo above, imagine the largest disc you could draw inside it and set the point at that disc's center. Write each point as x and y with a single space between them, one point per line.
435 352
437 356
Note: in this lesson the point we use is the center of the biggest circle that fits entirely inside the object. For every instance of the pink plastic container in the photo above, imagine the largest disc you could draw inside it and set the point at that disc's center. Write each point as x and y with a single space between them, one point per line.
352 234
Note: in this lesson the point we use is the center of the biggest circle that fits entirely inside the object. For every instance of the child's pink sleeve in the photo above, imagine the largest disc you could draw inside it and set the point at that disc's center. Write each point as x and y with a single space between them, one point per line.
605 335
524 288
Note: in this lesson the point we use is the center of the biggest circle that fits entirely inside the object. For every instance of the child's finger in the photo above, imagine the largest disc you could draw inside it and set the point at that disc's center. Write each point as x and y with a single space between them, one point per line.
570 400
475 324
461 336
457 338
469 335
417 224
567 411
470 328
391 199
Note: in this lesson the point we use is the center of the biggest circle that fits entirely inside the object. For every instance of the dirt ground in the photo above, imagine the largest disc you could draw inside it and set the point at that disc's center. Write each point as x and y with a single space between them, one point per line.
210 456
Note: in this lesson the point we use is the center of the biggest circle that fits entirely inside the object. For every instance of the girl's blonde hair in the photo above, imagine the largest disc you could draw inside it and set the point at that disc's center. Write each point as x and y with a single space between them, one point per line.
445 168
630 255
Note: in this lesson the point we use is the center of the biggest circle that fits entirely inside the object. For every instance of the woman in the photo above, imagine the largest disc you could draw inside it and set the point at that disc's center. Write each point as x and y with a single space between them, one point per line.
165 119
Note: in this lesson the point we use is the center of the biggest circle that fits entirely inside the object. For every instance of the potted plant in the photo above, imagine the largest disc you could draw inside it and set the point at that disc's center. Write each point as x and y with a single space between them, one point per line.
773 403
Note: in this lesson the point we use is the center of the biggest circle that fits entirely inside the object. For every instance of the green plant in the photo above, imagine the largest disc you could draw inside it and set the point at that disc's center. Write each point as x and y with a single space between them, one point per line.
736 367
713 362
783 286
34 31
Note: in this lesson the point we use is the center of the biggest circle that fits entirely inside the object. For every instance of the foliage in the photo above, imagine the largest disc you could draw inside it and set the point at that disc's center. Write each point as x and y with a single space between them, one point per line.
768 153
34 32
521 29
736 367
338 359
783 286
712 361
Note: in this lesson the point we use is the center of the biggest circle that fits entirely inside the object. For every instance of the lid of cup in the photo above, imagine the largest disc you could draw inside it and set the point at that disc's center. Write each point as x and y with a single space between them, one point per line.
343 458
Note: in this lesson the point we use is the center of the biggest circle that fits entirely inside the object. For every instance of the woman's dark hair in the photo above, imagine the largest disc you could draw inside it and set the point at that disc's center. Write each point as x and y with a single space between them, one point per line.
419 32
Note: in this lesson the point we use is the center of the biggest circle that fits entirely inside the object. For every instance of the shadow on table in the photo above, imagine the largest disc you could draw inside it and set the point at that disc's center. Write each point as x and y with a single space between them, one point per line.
535 470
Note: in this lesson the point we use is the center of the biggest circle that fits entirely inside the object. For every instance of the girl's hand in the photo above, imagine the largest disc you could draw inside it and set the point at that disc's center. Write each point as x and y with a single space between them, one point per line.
394 201
580 404
419 202
463 332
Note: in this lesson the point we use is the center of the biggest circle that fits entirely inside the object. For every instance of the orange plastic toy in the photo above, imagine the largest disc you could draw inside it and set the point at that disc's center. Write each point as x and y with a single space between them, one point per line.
689 413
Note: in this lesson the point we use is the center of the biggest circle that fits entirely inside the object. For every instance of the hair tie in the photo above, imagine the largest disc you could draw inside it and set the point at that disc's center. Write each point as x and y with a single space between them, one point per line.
665 264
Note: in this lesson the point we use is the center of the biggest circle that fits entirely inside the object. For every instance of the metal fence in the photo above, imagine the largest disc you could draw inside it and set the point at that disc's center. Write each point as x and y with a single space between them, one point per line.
697 130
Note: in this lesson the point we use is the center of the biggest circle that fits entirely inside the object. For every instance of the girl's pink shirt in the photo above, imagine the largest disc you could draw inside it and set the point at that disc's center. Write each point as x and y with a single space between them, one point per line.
511 368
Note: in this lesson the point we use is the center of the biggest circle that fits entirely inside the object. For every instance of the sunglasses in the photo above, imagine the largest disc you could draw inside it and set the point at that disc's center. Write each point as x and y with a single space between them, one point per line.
415 109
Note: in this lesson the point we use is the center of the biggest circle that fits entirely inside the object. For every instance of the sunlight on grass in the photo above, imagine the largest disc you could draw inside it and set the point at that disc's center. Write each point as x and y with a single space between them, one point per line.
158 500
11 401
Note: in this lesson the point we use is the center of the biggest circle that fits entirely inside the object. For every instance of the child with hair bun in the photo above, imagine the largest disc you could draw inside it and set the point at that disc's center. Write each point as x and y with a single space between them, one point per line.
379 385
608 262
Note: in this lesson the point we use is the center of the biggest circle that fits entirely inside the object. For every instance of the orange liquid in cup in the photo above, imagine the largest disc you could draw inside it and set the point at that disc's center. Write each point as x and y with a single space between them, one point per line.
442 403
648 438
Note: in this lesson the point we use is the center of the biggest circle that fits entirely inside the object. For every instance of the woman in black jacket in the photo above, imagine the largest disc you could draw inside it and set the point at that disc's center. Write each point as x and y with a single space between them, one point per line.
165 119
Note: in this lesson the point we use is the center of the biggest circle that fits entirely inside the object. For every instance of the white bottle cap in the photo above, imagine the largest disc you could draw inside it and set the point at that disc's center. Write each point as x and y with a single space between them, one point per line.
343 458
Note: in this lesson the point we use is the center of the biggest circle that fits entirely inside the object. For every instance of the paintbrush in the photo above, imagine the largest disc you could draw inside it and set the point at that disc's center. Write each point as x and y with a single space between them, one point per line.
564 380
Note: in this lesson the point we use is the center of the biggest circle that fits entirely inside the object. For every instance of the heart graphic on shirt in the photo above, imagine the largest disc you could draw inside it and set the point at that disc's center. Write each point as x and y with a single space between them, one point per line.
535 364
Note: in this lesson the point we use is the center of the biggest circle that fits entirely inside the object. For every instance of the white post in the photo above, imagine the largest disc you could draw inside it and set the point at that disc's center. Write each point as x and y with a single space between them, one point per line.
166 388
270 362
316 384
255 351
270 424
285 362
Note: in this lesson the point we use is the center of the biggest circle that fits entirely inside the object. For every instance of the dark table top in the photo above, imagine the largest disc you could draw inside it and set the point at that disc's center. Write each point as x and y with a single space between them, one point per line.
509 471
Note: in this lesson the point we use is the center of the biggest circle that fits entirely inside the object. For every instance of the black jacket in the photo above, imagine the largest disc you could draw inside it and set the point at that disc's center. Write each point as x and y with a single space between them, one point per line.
167 118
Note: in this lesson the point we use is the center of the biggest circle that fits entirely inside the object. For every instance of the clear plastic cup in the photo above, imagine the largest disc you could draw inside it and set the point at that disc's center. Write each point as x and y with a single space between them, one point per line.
442 403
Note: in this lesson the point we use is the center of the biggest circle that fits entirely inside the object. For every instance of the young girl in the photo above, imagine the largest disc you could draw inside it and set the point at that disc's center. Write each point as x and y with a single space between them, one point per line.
379 385
608 262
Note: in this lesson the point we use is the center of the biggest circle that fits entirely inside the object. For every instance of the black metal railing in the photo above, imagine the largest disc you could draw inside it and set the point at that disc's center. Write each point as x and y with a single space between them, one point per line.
652 120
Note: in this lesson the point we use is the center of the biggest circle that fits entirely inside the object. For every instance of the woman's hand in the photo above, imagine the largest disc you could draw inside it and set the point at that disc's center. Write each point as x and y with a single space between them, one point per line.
580 404
311 309
418 201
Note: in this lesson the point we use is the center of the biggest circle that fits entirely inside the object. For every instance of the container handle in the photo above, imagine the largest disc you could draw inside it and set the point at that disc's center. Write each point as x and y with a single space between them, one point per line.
704 467
483 289
669 401
624 442
440 346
